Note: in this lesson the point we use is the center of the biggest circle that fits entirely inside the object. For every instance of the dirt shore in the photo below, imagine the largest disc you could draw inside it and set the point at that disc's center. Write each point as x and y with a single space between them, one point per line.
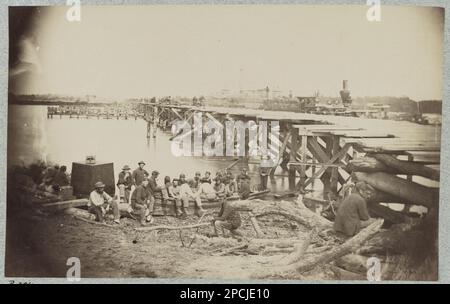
40 246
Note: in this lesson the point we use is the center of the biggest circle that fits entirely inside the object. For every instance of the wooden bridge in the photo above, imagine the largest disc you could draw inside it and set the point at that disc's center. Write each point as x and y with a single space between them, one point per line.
311 147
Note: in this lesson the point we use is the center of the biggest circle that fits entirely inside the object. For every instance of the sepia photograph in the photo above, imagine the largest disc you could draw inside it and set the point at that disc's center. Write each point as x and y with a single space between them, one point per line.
224 142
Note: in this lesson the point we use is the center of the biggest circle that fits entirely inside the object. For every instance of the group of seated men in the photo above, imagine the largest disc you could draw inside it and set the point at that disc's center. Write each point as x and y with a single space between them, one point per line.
53 178
138 191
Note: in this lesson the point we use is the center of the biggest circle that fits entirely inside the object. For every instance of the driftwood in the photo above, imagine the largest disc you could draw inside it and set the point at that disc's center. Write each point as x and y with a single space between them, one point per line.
390 164
401 188
309 263
163 227
80 213
387 213
255 224
300 214
299 250
65 204
349 246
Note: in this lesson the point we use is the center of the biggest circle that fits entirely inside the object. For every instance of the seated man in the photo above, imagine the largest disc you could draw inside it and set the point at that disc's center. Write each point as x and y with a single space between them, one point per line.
230 183
141 202
206 178
156 191
353 209
228 218
61 178
100 202
207 191
186 194
219 187
244 189
174 193
195 182
242 176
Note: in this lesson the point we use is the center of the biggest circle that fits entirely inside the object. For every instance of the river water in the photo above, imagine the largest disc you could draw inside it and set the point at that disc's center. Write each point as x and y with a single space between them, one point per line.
33 137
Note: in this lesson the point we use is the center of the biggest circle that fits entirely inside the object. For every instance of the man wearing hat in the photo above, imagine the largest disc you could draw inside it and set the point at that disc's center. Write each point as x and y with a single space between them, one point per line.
124 183
100 202
353 210
139 174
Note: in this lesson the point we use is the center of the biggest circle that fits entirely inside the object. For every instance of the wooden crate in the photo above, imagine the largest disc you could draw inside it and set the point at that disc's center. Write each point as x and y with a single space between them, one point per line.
84 177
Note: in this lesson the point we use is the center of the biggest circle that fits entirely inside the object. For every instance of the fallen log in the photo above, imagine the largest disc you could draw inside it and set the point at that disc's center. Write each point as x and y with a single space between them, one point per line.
79 213
352 262
163 227
300 214
407 167
387 213
65 204
312 261
285 194
349 246
368 164
299 250
255 224
404 189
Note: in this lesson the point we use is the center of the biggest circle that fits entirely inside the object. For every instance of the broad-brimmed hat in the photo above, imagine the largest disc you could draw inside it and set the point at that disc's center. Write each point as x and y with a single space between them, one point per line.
141 162
126 167
99 185
155 172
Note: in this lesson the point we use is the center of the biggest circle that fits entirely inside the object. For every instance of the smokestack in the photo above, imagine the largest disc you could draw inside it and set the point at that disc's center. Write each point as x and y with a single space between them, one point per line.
345 85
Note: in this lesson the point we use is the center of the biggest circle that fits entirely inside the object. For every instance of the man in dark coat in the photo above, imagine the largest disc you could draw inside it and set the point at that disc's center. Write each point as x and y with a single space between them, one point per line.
124 183
227 219
140 201
353 210
139 174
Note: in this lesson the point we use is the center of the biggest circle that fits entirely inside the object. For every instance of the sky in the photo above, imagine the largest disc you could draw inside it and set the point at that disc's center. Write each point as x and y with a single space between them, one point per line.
140 51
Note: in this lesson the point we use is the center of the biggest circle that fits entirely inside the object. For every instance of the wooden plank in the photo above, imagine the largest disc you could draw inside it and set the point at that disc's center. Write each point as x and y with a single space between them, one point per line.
65 204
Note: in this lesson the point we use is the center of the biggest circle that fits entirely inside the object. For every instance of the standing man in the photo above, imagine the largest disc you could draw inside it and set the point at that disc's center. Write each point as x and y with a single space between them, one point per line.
264 170
100 203
124 183
139 174
353 210
140 202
